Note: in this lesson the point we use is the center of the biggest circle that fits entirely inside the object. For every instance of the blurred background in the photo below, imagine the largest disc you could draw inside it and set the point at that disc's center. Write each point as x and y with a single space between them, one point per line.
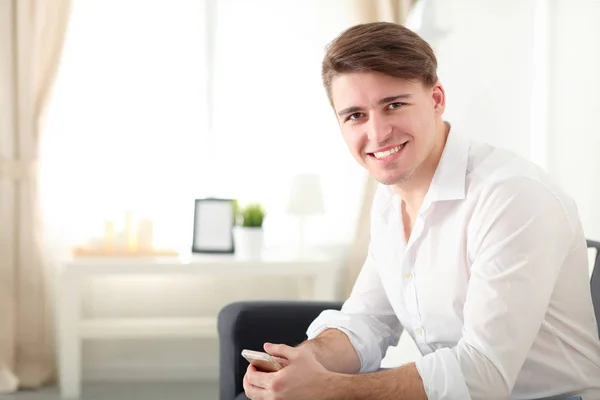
119 111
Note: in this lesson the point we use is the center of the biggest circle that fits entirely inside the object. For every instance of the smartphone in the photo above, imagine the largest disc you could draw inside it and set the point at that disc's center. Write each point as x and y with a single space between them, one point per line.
262 361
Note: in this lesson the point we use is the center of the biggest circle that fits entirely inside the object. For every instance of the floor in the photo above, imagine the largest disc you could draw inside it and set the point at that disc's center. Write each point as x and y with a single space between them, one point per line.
130 391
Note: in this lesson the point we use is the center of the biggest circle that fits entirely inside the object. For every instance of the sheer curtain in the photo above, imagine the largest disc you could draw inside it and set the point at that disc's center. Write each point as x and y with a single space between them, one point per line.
160 102
31 40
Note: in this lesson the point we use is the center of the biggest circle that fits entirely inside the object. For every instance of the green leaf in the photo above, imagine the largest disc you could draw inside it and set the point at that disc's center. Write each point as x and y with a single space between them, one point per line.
253 215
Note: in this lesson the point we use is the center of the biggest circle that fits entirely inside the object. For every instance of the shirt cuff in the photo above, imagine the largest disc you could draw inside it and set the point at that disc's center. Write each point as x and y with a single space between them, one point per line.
442 377
362 338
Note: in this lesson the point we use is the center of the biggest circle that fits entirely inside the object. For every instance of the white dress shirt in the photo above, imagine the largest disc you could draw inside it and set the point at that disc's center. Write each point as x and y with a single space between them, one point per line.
493 284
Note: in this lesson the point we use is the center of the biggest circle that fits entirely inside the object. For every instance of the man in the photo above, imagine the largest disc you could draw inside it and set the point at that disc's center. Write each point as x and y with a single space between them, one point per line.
474 252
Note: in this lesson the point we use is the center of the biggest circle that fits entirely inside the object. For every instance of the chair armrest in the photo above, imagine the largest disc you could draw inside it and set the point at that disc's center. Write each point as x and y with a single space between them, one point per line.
595 281
249 324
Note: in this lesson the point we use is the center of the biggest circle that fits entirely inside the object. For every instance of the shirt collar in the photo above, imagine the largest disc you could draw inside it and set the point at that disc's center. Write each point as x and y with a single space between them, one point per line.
451 173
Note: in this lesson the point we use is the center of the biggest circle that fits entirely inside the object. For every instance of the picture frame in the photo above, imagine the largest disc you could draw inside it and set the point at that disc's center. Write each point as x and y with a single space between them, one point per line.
213 226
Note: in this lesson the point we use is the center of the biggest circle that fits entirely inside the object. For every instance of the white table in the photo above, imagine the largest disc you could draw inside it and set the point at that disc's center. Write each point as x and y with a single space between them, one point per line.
72 328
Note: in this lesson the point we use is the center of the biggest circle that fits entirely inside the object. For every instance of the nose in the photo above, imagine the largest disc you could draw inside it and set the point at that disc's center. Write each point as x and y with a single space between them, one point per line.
378 129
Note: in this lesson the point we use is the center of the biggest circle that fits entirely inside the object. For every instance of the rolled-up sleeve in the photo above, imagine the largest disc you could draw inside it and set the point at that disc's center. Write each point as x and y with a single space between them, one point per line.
519 237
366 317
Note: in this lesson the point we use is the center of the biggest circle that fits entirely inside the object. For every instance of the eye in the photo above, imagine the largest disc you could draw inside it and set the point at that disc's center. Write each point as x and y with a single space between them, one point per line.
394 106
354 117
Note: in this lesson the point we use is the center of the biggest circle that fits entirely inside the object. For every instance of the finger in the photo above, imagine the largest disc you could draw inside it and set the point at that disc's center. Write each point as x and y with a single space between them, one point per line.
245 381
280 350
261 380
246 384
255 393
251 391
282 361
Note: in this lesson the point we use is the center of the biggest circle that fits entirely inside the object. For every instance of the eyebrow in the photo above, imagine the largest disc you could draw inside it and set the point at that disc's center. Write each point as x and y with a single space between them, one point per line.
390 99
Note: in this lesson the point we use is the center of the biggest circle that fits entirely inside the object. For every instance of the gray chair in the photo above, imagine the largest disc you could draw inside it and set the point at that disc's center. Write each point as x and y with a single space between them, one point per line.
248 324
595 281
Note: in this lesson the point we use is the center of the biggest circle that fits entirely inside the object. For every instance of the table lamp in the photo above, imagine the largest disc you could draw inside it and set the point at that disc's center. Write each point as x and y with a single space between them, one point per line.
305 199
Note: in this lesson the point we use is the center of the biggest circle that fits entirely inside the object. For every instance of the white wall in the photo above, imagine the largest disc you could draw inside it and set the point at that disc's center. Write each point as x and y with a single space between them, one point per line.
574 107
485 65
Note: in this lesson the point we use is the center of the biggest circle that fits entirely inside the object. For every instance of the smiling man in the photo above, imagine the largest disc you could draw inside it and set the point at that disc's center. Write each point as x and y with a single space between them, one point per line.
474 252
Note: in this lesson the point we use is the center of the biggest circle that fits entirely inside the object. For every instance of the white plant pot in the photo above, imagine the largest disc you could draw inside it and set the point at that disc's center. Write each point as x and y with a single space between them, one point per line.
248 242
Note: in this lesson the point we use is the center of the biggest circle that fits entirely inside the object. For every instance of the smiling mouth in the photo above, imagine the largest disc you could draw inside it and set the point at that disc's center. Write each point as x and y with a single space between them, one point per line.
380 155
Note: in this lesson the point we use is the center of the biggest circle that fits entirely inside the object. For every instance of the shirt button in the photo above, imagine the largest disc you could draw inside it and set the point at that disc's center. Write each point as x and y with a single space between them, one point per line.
409 276
419 332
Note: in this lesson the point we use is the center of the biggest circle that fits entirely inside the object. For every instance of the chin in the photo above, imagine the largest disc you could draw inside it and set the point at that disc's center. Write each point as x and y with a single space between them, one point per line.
393 182
395 178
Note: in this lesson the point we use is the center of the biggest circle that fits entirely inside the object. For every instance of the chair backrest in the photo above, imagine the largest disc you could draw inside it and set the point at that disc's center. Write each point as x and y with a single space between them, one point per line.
595 281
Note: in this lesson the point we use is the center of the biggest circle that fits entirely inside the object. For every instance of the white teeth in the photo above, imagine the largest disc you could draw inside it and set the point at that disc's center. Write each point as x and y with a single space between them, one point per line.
383 154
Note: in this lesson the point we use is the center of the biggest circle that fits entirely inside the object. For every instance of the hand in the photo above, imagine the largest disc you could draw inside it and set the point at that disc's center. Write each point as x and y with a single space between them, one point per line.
302 378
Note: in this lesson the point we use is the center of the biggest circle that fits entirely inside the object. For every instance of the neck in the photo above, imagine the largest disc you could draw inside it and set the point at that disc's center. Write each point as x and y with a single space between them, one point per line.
413 191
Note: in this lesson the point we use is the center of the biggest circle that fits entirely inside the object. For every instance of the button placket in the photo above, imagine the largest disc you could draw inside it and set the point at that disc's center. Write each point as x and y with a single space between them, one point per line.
409 277
411 298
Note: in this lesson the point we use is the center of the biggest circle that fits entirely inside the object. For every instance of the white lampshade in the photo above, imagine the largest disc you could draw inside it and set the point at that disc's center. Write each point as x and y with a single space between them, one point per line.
305 196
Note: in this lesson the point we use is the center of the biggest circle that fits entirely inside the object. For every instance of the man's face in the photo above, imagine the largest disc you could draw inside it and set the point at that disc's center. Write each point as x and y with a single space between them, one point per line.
389 124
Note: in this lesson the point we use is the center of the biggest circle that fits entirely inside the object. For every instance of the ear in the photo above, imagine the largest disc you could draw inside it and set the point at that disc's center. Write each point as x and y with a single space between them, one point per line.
438 96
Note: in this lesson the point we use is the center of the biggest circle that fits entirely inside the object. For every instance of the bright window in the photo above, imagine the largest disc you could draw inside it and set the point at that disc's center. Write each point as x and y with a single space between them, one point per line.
145 116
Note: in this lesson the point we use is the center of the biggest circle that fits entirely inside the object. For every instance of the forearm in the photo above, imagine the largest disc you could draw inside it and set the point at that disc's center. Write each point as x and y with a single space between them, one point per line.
398 383
333 350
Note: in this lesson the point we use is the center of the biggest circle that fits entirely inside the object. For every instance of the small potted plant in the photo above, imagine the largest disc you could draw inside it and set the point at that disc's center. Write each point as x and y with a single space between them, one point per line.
248 233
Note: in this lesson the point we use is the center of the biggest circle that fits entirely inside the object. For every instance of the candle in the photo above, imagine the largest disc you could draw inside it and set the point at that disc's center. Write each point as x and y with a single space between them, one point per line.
145 235
130 233
109 235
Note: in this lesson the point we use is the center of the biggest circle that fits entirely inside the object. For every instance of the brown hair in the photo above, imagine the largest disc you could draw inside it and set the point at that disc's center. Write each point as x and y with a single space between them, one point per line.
385 47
